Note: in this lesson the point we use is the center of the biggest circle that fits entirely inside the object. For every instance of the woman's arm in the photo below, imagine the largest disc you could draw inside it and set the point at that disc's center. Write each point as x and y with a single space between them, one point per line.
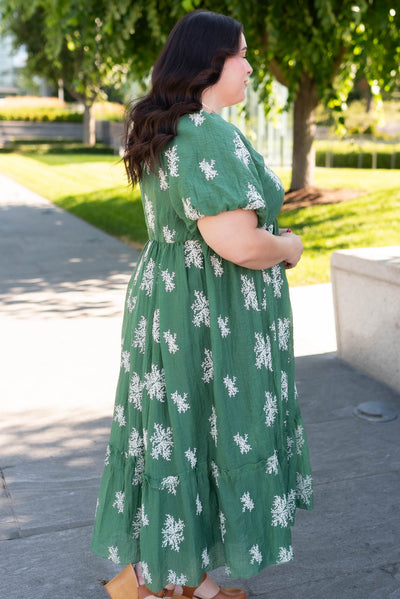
236 237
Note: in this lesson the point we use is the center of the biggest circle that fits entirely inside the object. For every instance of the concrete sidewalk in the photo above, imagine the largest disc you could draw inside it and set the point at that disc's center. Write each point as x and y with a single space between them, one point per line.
62 285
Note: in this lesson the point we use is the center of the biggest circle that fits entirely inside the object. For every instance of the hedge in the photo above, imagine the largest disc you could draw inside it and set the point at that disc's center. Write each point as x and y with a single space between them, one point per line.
347 155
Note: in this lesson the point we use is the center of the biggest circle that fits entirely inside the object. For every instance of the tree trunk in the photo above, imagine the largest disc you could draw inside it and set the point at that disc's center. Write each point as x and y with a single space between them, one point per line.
89 126
303 162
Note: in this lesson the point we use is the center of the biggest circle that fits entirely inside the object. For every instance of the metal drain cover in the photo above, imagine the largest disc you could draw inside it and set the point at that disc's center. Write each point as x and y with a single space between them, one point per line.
374 411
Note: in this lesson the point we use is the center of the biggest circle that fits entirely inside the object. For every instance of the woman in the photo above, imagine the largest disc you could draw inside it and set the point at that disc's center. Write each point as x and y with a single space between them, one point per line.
207 458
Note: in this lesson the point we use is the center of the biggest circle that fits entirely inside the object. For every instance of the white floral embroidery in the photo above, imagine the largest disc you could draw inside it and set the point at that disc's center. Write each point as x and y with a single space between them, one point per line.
213 425
285 555
248 290
242 442
170 340
172 533
231 386
223 326
163 180
272 464
155 329
248 503
131 301
283 333
168 278
119 501
125 360
222 526
199 506
191 212
283 509
154 383
140 520
272 328
139 469
119 415
284 386
168 234
162 442
304 488
207 366
270 408
139 335
148 278
262 349
149 213
274 177
228 571
174 578
216 263
136 446
289 447
146 572
255 200
215 472
277 280
173 161
201 310
170 483
256 555
207 168
205 558
191 456
197 118
180 401
193 253
299 434
113 554
107 456
240 150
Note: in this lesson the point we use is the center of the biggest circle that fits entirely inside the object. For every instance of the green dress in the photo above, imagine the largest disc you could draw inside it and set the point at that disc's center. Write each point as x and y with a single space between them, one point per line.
207 459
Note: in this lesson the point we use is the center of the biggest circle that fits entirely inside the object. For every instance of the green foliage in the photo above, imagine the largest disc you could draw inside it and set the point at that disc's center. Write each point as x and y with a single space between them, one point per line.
358 155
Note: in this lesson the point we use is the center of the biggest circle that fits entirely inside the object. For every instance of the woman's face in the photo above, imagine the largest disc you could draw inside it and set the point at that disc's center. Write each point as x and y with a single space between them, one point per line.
230 88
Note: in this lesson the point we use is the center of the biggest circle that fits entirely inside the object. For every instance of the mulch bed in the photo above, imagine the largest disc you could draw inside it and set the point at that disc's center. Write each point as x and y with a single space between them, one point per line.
311 196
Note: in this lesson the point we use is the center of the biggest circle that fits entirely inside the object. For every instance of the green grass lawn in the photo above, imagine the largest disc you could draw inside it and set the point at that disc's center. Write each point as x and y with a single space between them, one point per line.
94 188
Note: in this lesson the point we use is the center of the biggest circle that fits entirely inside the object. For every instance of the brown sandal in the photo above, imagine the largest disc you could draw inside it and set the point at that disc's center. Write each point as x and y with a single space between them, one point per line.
209 589
125 586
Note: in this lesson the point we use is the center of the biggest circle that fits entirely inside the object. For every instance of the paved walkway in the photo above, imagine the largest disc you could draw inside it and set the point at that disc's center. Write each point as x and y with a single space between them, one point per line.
62 286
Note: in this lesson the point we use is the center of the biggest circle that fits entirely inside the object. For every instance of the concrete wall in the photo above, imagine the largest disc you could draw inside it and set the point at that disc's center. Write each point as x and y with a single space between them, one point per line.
366 295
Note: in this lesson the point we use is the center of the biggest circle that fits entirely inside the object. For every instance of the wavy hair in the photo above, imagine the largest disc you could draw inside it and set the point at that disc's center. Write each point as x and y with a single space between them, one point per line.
191 61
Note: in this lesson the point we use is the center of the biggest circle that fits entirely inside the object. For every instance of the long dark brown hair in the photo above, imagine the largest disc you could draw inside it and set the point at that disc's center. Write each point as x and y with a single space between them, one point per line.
191 61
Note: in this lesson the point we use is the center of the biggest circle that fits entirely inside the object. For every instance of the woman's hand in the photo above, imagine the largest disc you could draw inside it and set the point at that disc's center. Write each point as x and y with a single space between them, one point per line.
296 248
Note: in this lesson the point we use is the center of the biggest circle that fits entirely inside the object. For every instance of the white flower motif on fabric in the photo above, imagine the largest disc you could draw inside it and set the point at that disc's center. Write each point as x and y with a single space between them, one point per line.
299 434
131 301
119 415
145 438
154 383
144 566
170 483
215 472
155 328
255 200
170 340
240 150
97 507
136 391
200 309
148 278
242 442
163 180
277 280
304 488
283 509
222 527
119 502
216 263
199 506
289 447
191 456
208 170
149 213
205 558
172 533
136 446
270 408
168 234
191 212
264 300
272 328
193 253
139 335
173 161
113 554
283 333
272 464
262 349
161 442
248 503
230 384
139 522
107 456
256 555
223 326
228 571
213 425
284 386
248 290
197 118
207 366
168 278
277 182
125 360
178 580
180 402
138 472
285 555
